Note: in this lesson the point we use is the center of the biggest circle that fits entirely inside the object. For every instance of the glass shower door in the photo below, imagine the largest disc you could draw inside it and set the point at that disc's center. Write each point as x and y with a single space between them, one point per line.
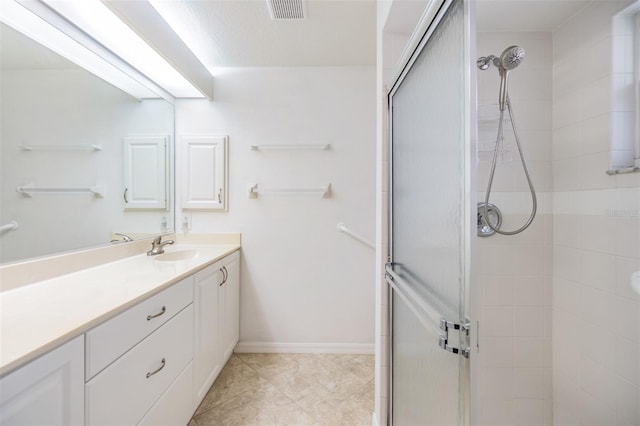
430 227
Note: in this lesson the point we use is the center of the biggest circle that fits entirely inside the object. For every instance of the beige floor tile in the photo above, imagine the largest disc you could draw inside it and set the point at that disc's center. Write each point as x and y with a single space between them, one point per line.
235 378
359 365
295 389
261 405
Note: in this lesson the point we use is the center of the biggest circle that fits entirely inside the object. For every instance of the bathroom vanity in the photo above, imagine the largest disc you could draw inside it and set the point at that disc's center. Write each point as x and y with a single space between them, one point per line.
135 341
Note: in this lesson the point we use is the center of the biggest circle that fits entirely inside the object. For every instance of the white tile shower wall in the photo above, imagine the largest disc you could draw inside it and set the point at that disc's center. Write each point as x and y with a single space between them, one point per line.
596 233
304 284
515 271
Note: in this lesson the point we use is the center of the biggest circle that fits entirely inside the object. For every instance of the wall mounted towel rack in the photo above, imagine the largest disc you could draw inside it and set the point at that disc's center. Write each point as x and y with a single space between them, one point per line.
345 229
91 147
320 147
29 191
324 192
11 226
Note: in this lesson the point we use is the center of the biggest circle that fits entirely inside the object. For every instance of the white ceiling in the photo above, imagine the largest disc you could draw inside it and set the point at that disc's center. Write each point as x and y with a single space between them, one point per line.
525 15
241 33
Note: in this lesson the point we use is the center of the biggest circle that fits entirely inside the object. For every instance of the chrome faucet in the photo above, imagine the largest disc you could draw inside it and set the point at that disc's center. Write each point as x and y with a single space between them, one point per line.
157 246
125 238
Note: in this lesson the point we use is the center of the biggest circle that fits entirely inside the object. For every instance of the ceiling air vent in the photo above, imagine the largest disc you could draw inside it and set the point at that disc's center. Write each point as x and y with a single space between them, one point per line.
287 9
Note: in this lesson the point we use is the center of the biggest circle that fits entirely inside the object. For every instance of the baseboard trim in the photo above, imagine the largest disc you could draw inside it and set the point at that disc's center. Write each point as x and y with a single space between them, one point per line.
305 348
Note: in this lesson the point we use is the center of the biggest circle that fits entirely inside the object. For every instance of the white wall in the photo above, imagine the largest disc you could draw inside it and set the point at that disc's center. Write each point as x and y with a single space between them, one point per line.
596 233
304 286
515 271
69 107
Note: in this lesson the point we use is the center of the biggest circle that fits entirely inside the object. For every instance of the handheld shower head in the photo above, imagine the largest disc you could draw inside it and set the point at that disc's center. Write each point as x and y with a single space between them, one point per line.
510 59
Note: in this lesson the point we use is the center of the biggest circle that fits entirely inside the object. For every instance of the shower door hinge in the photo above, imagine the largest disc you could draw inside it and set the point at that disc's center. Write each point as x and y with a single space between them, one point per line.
444 338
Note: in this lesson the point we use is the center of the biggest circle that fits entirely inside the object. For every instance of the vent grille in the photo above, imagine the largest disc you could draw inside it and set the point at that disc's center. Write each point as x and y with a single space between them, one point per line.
286 9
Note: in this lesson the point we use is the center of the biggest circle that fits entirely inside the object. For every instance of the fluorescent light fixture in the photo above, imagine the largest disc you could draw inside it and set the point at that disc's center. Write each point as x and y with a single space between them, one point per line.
99 22
48 35
182 24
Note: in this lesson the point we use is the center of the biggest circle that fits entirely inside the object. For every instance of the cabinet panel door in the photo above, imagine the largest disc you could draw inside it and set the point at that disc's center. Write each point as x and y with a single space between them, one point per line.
145 172
206 358
204 173
47 391
230 301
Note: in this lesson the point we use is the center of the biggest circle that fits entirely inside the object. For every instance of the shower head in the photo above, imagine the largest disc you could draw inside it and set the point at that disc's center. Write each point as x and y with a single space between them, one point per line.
511 57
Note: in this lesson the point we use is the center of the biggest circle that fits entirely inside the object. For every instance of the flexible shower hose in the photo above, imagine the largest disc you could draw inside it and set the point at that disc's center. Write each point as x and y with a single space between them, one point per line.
499 139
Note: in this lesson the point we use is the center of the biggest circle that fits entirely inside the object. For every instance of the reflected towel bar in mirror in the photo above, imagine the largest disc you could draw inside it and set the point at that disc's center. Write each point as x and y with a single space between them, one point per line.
92 147
28 191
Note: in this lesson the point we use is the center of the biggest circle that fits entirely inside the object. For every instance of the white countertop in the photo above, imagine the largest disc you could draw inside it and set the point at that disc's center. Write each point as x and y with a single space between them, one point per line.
38 317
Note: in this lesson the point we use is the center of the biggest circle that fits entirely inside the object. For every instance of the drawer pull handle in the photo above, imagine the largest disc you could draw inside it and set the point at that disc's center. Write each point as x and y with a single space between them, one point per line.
163 363
150 317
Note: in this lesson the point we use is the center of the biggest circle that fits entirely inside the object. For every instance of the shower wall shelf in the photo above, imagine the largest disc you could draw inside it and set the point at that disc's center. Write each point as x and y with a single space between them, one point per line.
318 147
11 226
98 191
92 147
324 192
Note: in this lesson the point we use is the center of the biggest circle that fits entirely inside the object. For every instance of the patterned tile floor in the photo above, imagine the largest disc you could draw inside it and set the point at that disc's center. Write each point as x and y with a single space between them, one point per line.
291 389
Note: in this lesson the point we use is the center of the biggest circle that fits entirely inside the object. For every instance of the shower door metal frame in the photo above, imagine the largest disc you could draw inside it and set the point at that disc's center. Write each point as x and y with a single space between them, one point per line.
428 23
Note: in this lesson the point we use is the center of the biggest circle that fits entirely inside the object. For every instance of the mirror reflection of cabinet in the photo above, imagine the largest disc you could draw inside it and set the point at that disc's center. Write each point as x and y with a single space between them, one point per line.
145 172
204 165
62 112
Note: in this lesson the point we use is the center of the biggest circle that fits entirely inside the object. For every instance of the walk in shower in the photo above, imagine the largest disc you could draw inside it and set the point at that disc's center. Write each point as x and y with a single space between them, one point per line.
546 311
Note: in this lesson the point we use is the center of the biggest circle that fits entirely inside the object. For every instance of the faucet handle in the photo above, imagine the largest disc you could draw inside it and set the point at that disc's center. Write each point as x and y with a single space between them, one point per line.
157 240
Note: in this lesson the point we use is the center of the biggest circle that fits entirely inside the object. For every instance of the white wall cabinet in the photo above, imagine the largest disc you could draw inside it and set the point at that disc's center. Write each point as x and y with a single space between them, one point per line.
206 358
47 391
204 173
146 179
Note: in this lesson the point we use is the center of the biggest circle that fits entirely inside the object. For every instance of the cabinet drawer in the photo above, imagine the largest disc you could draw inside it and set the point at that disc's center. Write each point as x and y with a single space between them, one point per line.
126 390
108 341
175 406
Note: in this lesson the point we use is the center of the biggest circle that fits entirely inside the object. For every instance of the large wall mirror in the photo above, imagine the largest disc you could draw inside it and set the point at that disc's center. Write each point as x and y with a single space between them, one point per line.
81 160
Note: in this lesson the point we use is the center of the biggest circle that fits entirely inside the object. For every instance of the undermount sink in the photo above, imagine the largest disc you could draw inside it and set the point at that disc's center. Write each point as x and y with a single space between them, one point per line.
173 256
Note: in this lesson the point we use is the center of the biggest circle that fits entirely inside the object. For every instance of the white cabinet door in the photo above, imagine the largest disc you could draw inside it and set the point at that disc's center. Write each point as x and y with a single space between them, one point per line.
204 172
47 391
145 172
229 306
206 358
